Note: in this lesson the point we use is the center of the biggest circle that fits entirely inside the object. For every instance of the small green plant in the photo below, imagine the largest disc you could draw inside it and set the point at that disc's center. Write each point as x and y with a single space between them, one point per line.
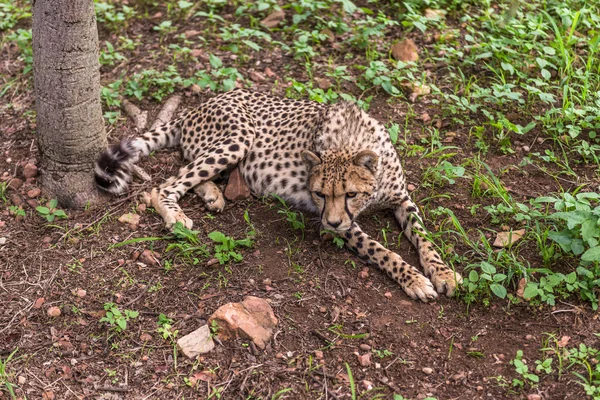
17 211
226 245
117 319
4 377
522 369
51 212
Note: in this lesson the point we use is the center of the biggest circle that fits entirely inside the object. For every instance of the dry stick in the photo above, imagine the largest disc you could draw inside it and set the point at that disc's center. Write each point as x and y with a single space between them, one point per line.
166 113
138 116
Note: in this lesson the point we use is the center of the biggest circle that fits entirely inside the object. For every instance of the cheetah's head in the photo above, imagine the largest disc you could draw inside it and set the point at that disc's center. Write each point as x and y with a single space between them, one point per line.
341 185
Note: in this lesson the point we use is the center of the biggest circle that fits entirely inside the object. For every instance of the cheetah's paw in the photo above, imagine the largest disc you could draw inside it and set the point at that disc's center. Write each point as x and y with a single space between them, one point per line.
178 216
445 281
216 204
419 287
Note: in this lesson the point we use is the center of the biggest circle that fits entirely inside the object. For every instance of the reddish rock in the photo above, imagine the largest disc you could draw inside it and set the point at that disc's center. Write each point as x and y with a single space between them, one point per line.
251 319
34 193
256 76
236 189
364 360
15 183
149 257
405 50
273 19
38 303
30 171
53 312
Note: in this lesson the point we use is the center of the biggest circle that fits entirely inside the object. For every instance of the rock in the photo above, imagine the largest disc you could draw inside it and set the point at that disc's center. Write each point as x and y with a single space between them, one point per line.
197 53
198 342
252 319
364 360
131 219
191 33
415 89
81 293
318 354
30 171
269 72
267 282
273 19
425 117
434 14
405 50
563 341
34 193
142 207
364 273
388 295
15 183
521 288
22 380
364 347
534 397
505 239
410 187
368 385
256 76
53 312
323 83
236 188
16 199
38 303
427 371
149 257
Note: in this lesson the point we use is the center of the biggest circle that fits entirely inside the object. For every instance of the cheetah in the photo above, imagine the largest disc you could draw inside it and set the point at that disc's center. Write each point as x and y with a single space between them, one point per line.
333 160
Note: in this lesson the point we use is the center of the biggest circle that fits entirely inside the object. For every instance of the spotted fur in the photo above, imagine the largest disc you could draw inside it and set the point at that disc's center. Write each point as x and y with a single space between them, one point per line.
333 160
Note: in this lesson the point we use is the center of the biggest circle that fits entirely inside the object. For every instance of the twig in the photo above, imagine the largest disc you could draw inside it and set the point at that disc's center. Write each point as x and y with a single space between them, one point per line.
138 116
166 113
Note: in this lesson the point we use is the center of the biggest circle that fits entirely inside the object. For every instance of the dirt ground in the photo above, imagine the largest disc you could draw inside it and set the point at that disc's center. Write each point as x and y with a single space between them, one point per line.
330 312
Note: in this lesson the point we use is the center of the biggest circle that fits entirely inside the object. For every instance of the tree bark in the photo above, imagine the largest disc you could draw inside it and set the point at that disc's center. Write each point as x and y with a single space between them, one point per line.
67 90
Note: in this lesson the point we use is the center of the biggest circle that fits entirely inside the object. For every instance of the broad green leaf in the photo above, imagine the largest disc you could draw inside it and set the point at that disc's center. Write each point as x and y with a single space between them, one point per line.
217 236
498 290
530 291
592 254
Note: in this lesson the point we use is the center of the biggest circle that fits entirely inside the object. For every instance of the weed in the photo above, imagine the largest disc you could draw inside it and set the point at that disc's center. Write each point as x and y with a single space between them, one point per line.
117 319
51 212
226 246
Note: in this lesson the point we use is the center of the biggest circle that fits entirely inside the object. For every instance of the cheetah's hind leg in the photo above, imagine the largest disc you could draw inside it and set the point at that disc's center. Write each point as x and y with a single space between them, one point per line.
198 172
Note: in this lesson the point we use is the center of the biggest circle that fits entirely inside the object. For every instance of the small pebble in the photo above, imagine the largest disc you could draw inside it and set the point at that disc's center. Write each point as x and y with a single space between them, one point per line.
267 282
364 347
81 293
53 312
427 370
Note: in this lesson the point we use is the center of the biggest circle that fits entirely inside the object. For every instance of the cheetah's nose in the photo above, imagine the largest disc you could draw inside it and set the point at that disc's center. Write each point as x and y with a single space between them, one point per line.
334 224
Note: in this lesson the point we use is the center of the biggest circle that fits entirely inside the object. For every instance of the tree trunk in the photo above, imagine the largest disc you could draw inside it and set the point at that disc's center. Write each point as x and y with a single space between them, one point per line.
67 90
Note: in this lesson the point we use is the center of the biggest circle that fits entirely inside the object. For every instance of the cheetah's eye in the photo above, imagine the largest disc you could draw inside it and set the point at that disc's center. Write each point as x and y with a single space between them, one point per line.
351 194
320 194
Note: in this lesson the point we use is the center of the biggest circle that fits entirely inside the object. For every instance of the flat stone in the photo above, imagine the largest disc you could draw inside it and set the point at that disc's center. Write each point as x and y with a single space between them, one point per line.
131 219
196 343
504 239
405 50
256 76
251 319
237 188
273 19
149 257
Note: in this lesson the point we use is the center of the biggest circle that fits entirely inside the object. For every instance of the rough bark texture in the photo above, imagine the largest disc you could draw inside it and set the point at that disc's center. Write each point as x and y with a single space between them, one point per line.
67 88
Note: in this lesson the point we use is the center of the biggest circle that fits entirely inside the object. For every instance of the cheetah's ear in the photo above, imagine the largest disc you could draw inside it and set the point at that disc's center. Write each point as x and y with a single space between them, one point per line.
367 159
310 159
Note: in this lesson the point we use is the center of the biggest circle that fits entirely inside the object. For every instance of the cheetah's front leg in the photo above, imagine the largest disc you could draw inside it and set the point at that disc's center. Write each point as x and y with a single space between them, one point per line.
410 279
444 279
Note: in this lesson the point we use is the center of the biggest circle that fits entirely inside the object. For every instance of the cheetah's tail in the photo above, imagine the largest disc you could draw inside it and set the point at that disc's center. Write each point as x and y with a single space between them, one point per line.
114 166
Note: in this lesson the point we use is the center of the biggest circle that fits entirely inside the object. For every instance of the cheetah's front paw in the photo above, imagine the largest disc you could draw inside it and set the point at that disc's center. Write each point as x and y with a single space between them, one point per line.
419 287
445 280
178 216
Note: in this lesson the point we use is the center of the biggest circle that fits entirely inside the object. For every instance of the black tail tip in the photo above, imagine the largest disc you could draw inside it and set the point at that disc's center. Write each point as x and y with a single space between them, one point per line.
112 172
